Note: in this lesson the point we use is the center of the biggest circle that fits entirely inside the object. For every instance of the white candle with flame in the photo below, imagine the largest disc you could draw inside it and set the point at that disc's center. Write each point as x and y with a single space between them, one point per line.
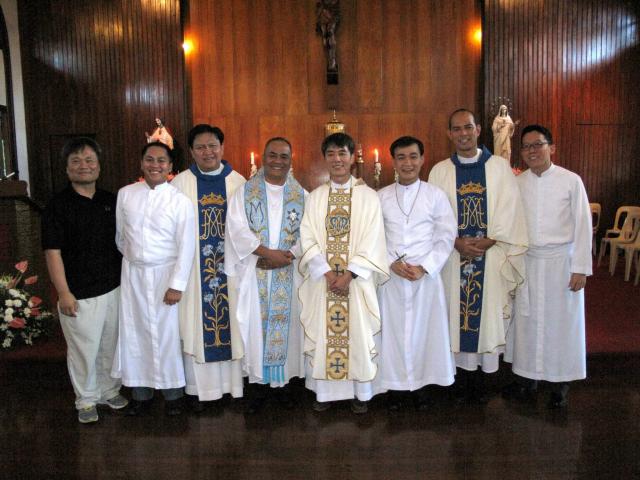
253 161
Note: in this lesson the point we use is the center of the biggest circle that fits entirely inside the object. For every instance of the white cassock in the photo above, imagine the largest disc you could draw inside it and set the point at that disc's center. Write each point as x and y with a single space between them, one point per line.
549 335
239 262
207 380
152 228
504 262
367 258
415 350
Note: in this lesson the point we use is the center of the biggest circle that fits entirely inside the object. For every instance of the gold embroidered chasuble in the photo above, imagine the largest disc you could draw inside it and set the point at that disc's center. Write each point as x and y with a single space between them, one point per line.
345 228
504 263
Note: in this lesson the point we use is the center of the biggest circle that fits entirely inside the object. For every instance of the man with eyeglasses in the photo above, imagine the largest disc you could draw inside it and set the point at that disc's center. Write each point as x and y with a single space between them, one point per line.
487 263
211 342
78 238
153 225
549 325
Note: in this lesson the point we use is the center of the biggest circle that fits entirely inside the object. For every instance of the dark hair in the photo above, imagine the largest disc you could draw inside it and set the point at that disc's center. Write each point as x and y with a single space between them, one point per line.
78 144
158 144
540 129
204 128
278 139
339 140
462 110
406 141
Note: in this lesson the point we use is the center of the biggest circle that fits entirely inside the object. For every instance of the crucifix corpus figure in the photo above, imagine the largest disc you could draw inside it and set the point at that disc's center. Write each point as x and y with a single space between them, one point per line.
328 19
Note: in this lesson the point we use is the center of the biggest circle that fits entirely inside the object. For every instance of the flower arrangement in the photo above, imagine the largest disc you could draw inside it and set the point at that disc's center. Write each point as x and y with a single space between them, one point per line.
22 315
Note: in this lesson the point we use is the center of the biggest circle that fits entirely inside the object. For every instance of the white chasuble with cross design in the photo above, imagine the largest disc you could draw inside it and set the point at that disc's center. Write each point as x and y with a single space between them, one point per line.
345 227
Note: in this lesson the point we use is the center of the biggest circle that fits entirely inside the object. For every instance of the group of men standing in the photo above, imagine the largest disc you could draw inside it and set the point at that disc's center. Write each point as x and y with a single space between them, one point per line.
360 292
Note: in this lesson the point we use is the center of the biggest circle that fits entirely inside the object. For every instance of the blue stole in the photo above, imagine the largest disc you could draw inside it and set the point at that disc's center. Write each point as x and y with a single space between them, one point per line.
471 192
275 303
212 213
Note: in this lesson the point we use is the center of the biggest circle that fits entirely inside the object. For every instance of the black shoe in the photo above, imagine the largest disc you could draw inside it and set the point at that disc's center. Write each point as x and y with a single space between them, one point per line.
394 401
358 406
321 406
195 405
256 405
557 401
284 399
138 407
173 407
422 401
512 391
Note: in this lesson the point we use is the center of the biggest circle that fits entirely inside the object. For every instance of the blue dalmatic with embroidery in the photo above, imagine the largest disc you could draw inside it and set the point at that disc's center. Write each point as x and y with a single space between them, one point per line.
275 301
212 212
471 192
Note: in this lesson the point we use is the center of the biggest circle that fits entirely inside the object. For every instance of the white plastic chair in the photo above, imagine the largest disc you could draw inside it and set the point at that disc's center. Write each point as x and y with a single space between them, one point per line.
612 233
596 212
627 239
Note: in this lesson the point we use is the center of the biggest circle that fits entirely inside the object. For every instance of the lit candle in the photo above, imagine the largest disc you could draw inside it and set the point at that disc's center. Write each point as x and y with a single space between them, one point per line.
375 151
253 161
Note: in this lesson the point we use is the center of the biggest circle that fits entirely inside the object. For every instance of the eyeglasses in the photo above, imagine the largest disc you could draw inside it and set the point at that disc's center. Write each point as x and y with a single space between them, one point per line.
535 146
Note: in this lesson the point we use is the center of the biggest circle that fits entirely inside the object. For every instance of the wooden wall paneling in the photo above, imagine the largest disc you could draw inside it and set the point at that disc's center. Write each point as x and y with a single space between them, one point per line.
369 56
245 57
387 62
295 65
571 71
347 97
103 68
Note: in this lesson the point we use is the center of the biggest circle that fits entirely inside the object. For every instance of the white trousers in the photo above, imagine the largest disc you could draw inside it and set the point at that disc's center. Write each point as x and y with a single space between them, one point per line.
210 381
91 343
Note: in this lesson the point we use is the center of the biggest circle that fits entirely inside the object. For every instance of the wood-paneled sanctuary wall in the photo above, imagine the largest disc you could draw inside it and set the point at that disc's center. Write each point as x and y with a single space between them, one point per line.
258 70
104 69
574 66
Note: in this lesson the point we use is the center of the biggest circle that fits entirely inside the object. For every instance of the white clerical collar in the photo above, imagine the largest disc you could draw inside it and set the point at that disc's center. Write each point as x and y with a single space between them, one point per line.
411 187
273 187
548 170
466 160
346 186
161 186
217 171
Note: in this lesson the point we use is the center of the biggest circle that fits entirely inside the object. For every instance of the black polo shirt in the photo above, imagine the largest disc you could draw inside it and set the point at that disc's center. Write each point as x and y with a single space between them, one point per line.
84 230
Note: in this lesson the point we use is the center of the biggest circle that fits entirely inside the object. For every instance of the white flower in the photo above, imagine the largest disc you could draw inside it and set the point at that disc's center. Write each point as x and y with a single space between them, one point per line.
6 343
8 312
27 311
17 303
8 303
4 326
13 292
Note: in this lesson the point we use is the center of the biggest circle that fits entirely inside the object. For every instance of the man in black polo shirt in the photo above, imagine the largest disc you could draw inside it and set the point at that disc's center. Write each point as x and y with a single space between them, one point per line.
78 239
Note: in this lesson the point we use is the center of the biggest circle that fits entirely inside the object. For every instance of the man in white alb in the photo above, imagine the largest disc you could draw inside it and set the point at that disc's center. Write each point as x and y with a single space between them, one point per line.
152 224
420 229
549 327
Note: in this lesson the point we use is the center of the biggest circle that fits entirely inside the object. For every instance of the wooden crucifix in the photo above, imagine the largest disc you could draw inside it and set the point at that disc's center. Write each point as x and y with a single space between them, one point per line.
328 19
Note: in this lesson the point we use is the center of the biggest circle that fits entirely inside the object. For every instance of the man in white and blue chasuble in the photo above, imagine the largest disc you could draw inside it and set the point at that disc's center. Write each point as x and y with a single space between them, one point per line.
211 343
263 241
487 263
